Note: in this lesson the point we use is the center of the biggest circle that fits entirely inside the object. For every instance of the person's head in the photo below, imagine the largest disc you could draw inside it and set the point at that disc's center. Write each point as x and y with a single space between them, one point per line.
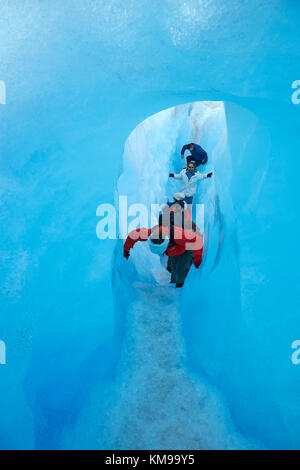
190 147
178 204
157 236
178 197
158 241
191 167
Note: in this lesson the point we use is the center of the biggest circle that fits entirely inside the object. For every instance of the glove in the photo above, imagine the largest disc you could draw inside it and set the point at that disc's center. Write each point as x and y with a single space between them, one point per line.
209 175
126 254
171 175
197 261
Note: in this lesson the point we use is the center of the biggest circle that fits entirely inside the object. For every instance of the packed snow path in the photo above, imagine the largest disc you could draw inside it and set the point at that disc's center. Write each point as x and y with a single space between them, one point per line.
160 405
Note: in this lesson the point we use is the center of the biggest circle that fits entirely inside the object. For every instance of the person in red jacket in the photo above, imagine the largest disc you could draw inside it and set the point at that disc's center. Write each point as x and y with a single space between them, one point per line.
182 245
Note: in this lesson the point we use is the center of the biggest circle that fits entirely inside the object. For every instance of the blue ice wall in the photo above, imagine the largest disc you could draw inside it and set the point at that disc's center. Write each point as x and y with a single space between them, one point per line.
80 76
243 336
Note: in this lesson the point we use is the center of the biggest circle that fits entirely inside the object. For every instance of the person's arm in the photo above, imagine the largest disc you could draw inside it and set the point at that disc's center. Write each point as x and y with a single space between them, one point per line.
197 259
202 176
184 148
138 235
174 175
191 239
198 249
194 241
203 157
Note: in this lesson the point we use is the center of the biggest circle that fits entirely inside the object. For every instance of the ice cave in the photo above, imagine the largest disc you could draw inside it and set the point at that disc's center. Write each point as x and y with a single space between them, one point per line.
97 99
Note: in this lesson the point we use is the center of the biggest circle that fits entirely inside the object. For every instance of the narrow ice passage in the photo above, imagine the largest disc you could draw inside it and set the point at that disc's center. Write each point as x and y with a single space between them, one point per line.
159 404
154 401
79 78
165 406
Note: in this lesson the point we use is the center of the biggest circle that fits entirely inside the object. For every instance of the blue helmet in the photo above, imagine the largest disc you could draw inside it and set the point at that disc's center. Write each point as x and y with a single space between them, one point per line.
158 249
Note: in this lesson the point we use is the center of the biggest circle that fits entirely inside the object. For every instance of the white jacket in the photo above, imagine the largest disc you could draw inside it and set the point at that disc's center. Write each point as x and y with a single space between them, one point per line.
189 186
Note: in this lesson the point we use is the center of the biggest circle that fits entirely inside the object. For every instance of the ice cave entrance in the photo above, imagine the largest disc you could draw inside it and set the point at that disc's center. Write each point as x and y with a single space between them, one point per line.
153 150
153 362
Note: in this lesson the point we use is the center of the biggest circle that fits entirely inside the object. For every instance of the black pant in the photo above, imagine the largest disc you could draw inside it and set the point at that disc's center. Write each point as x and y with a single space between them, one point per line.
180 265
190 159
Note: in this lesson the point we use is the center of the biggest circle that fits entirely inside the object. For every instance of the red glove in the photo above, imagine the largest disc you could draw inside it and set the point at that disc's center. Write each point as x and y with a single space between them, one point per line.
197 261
126 254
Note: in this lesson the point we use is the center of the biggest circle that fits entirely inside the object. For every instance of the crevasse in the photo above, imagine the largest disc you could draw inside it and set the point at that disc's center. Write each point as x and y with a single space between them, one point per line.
79 79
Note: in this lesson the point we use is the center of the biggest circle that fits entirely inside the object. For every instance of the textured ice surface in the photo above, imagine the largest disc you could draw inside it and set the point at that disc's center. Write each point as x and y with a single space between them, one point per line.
151 153
80 76
154 402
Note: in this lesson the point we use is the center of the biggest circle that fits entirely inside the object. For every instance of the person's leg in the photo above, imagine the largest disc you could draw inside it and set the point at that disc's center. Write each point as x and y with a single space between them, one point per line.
190 262
173 268
182 263
169 265
197 163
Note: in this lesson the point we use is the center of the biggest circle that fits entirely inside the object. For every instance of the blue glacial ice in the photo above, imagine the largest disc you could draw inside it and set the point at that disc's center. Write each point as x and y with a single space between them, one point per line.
100 97
153 402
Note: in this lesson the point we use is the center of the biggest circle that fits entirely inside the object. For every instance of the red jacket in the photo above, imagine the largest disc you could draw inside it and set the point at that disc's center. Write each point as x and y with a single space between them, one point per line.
184 239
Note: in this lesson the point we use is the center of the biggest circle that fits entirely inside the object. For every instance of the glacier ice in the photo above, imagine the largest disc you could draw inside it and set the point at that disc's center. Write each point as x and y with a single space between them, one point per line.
153 402
81 80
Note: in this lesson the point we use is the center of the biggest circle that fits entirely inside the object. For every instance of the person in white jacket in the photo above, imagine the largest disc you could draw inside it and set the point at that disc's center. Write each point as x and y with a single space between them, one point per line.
189 178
